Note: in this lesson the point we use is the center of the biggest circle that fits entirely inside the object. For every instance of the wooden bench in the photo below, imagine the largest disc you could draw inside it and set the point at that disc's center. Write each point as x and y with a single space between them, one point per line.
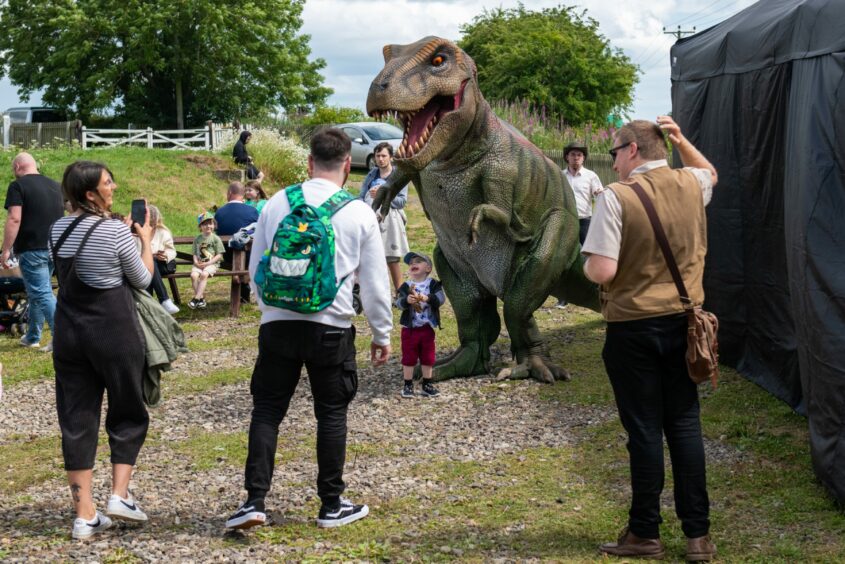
237 270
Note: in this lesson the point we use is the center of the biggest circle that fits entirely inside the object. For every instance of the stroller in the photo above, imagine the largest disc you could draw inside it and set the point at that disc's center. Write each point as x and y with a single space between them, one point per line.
14 309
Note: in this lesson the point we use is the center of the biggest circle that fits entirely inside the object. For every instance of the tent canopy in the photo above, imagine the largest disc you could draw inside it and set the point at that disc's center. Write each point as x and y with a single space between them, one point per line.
762 94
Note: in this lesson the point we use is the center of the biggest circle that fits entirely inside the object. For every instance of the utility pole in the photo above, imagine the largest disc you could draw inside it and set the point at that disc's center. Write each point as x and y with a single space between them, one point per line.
679 33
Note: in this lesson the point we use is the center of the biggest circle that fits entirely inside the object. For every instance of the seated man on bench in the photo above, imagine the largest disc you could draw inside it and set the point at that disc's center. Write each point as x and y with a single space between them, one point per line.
231 217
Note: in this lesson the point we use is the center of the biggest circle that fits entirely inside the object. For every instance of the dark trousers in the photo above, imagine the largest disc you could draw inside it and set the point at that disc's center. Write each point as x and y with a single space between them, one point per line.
157 287
655 397
328 354
583 227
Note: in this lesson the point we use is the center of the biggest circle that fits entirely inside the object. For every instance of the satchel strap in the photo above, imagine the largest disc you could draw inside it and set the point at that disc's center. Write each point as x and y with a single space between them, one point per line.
663 241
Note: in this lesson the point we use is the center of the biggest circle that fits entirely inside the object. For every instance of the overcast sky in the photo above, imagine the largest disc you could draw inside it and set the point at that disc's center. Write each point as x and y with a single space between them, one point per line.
349 35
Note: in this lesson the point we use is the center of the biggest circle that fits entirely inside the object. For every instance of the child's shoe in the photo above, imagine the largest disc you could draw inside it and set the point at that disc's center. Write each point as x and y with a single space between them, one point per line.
428 389
201 303
193 303
408 389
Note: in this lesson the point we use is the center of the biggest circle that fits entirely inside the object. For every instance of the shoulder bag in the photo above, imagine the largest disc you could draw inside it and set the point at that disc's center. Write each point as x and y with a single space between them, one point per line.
703 327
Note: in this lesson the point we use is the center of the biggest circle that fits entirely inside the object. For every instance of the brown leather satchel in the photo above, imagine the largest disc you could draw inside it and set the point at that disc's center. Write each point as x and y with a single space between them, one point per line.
703 327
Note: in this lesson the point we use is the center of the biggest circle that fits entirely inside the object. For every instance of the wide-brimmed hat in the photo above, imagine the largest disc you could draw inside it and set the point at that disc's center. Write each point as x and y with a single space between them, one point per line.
575 146
203 217
412 255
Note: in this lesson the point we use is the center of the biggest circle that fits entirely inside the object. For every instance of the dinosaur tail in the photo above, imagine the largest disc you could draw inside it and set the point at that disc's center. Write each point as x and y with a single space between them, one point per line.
576 288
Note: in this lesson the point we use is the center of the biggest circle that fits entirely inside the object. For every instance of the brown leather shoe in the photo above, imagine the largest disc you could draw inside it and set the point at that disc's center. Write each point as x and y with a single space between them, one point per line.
700 549
633 546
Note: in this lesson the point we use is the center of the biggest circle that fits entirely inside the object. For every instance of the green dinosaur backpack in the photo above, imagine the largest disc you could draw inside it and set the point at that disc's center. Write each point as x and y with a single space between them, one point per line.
297 271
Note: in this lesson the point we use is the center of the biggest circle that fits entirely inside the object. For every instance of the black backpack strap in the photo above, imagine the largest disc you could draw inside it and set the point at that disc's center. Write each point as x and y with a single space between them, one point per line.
63 237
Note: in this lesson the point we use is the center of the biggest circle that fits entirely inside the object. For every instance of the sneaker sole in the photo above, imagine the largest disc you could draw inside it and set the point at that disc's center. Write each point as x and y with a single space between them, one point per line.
130 516
329 523
80 536
247 521
77 536
407 396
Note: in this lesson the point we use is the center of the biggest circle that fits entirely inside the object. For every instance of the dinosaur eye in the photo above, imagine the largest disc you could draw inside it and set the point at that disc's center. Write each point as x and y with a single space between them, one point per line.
438 60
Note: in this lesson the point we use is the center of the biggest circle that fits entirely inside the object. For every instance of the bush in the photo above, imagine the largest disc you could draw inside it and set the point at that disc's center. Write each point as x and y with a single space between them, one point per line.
282 160
333 115
549 132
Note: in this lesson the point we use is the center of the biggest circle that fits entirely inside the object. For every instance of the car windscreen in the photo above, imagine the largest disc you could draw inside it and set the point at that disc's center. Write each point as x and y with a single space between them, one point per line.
18 116
382 131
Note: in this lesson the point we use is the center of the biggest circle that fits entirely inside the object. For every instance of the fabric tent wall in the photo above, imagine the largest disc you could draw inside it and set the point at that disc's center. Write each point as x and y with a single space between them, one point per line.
762 96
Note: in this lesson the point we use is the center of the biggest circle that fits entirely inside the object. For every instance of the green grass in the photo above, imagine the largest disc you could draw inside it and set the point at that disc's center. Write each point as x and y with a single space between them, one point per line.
27 461
180 184
538 503
180 384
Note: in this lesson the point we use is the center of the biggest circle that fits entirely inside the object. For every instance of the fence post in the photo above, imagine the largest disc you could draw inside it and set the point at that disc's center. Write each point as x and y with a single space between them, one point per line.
149 138
209 135
7 125
38 135
83 138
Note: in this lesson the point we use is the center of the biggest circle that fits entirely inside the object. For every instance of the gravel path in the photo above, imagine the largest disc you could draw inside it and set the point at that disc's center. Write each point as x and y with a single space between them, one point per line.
474 419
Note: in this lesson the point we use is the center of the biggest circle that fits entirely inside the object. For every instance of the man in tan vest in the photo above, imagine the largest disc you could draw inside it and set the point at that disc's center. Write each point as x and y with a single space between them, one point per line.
646 328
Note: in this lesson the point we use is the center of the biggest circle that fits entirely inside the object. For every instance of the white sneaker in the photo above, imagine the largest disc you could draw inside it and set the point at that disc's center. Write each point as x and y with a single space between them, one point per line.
126 509
170 307
83 529
48 348
25 343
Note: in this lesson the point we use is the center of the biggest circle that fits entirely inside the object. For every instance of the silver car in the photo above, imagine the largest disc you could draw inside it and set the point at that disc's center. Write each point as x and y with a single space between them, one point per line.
366 135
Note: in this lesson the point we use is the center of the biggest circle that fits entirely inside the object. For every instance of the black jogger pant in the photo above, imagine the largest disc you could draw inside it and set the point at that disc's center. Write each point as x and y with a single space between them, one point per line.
328 354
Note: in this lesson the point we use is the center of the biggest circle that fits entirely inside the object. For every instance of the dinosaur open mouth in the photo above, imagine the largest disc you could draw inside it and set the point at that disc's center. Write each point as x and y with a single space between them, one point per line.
420 124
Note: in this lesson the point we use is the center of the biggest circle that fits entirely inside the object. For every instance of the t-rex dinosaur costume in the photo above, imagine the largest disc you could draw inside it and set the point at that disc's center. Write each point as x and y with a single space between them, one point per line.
503 213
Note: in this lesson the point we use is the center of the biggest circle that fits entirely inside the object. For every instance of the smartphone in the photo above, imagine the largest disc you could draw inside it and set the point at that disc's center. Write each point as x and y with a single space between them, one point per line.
139 212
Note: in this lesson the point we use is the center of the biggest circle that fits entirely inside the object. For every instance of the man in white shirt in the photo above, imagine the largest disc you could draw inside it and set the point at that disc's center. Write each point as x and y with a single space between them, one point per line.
324 342
585 184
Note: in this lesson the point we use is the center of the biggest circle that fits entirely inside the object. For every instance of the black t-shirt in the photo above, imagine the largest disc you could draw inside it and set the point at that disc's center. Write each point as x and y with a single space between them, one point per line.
41 204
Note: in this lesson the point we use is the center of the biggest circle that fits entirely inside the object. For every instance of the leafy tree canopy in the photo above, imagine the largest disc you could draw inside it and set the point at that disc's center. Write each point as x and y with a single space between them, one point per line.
149 59
555 57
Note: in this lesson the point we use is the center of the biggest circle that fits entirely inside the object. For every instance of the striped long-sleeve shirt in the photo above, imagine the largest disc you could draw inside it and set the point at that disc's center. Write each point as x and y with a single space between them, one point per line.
109 256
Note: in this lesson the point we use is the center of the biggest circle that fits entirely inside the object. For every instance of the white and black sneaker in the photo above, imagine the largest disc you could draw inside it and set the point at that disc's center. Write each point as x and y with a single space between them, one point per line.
408 389
83 529
346 512
248 515
125 509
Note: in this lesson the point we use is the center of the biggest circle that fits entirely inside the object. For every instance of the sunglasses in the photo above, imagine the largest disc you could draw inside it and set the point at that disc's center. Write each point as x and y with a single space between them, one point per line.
615 150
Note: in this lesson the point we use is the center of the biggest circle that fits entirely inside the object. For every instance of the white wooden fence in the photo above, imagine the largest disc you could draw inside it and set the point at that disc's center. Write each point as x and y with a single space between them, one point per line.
27 135
207 137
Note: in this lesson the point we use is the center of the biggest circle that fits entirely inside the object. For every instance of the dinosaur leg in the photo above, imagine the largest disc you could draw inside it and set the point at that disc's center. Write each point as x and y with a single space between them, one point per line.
536 275
477 319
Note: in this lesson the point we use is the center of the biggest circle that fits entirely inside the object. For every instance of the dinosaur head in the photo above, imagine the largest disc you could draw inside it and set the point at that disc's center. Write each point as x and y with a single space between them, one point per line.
431 87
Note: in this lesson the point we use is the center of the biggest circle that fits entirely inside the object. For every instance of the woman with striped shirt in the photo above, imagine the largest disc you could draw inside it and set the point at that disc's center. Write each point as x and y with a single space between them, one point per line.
98 344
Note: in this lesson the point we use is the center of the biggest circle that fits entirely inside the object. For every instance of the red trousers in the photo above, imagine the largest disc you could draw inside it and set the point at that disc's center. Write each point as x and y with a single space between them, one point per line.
418 344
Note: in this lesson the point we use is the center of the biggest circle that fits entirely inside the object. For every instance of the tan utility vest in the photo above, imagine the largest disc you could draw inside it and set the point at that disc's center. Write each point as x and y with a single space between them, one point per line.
643 286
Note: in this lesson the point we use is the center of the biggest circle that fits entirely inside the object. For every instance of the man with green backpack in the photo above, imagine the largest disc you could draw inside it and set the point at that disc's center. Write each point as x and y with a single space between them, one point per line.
311 241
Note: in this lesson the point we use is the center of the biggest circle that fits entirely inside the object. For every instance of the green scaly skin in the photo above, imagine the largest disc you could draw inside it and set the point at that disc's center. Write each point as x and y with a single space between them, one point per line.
503 214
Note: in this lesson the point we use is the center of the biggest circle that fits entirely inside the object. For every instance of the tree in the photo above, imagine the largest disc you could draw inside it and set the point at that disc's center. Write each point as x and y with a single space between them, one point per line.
555 57
160 61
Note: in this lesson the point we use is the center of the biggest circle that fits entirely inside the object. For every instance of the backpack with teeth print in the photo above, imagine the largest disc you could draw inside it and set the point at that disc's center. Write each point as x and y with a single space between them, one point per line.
297 271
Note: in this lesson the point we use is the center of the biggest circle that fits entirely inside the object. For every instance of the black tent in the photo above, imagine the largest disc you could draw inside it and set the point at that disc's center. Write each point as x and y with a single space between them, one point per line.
762 94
